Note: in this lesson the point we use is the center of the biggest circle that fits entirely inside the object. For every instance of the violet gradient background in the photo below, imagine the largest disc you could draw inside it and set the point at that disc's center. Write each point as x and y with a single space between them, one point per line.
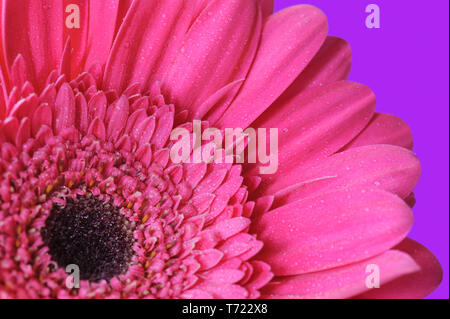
406 64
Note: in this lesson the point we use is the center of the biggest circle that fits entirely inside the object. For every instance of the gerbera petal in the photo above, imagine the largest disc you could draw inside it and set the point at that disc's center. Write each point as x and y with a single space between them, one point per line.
3 72
42 116
217 103
221 231
314 125
102 24
97 106
240 244
230 227
384 129
18 73
331 230
211 181
97 128
24 132
290 39
267 7
118 118
224 291
157 29
195 173
387 167
2 97
217 50
209 258
331 64
196 294
10 127
124 6
223 276
261 275
64 112
82 116
92 40
24 107
416 285
342 282
34 30
163 129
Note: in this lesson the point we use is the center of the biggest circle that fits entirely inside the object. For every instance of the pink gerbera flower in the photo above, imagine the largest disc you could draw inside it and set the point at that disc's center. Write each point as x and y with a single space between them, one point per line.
90 95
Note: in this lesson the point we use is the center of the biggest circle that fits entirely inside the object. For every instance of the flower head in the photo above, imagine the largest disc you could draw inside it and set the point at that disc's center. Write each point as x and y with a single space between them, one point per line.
90 95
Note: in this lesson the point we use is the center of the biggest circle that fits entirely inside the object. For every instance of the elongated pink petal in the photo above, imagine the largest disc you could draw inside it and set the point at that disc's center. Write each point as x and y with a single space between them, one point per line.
24 107
102 24
97 129
4 81
134 120
157 29
97 106
220 231
10 127
415 285
384 129
2 96
331 64
42 116
196 294
65 66
216 104
290 39
331 230
218 49
314 125
34 30
232 183
144 130
267 7
48 95
75 38
229 227
64 111
209 258
124 6
223 276
224 291
92 40
239 244
117 118
386 167
202 202
163 129
261 275
342 282
18 71
24 132
195 173
211 182
82 117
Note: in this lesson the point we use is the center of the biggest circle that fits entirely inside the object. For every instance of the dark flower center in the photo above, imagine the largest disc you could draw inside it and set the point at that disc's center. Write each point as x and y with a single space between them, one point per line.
91 234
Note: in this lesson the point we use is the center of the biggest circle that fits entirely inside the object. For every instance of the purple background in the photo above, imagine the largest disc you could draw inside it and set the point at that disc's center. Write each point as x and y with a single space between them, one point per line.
406 64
